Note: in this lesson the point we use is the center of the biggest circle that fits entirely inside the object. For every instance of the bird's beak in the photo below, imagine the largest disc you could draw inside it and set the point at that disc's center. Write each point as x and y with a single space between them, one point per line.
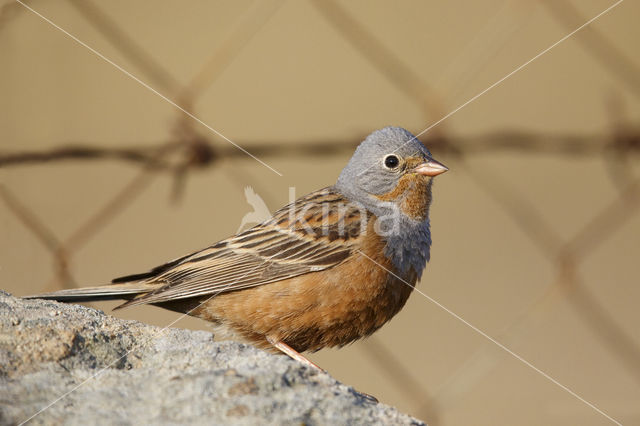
431 168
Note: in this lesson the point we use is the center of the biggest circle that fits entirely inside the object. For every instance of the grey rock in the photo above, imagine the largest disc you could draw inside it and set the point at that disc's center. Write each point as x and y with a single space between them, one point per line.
69 364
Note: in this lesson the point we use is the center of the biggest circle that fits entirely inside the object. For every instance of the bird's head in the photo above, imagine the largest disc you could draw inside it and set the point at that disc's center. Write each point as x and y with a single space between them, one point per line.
391 166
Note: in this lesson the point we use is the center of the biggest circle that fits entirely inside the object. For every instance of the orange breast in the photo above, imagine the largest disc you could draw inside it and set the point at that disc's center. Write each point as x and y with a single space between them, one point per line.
327 308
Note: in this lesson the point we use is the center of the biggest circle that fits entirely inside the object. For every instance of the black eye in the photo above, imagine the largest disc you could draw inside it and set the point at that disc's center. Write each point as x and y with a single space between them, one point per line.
391 161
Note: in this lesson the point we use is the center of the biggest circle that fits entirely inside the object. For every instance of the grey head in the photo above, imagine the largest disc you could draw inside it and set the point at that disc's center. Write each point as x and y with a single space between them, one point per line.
390 170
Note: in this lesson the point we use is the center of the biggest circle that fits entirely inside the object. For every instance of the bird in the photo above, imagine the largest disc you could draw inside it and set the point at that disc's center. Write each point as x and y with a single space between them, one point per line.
329 268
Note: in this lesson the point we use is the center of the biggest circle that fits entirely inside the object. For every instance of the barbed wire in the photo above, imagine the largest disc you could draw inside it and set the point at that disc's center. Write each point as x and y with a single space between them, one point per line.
203 152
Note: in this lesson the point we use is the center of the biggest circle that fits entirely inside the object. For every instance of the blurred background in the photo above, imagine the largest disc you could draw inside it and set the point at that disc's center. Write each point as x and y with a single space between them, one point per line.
536 230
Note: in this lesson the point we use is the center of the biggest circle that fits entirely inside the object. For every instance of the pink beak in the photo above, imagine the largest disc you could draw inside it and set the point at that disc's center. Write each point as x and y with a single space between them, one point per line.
431 168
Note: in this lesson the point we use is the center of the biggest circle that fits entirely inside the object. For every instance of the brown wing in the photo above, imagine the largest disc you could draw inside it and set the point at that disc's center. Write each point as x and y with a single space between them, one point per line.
315 233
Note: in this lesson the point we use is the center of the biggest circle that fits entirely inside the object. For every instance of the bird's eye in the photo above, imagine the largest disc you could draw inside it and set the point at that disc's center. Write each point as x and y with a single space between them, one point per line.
391 161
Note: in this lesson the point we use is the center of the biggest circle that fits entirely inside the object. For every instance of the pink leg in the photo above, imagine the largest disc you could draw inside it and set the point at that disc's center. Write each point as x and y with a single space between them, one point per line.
288 350
292 353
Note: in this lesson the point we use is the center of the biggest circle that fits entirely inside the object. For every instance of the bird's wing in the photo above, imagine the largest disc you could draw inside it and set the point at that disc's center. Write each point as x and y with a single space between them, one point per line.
314 233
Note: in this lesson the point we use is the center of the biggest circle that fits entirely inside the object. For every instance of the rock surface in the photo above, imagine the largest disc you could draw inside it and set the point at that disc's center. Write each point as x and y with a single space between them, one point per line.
69 364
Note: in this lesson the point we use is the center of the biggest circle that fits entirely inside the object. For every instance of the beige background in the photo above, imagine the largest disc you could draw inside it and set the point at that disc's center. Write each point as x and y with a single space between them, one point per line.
298 72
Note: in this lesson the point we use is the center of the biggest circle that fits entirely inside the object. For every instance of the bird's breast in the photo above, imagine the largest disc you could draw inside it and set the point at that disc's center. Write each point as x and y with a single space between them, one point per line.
320 309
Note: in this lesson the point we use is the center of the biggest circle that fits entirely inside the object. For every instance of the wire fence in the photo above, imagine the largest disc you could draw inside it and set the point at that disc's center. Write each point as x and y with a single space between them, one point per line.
190 149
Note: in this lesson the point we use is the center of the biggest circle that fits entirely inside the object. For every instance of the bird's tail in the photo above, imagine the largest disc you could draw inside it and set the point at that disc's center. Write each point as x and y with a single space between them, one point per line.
90 294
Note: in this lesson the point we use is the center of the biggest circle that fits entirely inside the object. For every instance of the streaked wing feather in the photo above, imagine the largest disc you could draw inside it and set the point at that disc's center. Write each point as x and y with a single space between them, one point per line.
314 233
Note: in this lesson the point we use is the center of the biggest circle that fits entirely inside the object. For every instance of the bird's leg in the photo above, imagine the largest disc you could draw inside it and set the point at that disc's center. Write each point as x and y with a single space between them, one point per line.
288 350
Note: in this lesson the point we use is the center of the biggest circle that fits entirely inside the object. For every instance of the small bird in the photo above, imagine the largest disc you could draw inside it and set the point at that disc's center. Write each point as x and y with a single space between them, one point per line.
328 269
